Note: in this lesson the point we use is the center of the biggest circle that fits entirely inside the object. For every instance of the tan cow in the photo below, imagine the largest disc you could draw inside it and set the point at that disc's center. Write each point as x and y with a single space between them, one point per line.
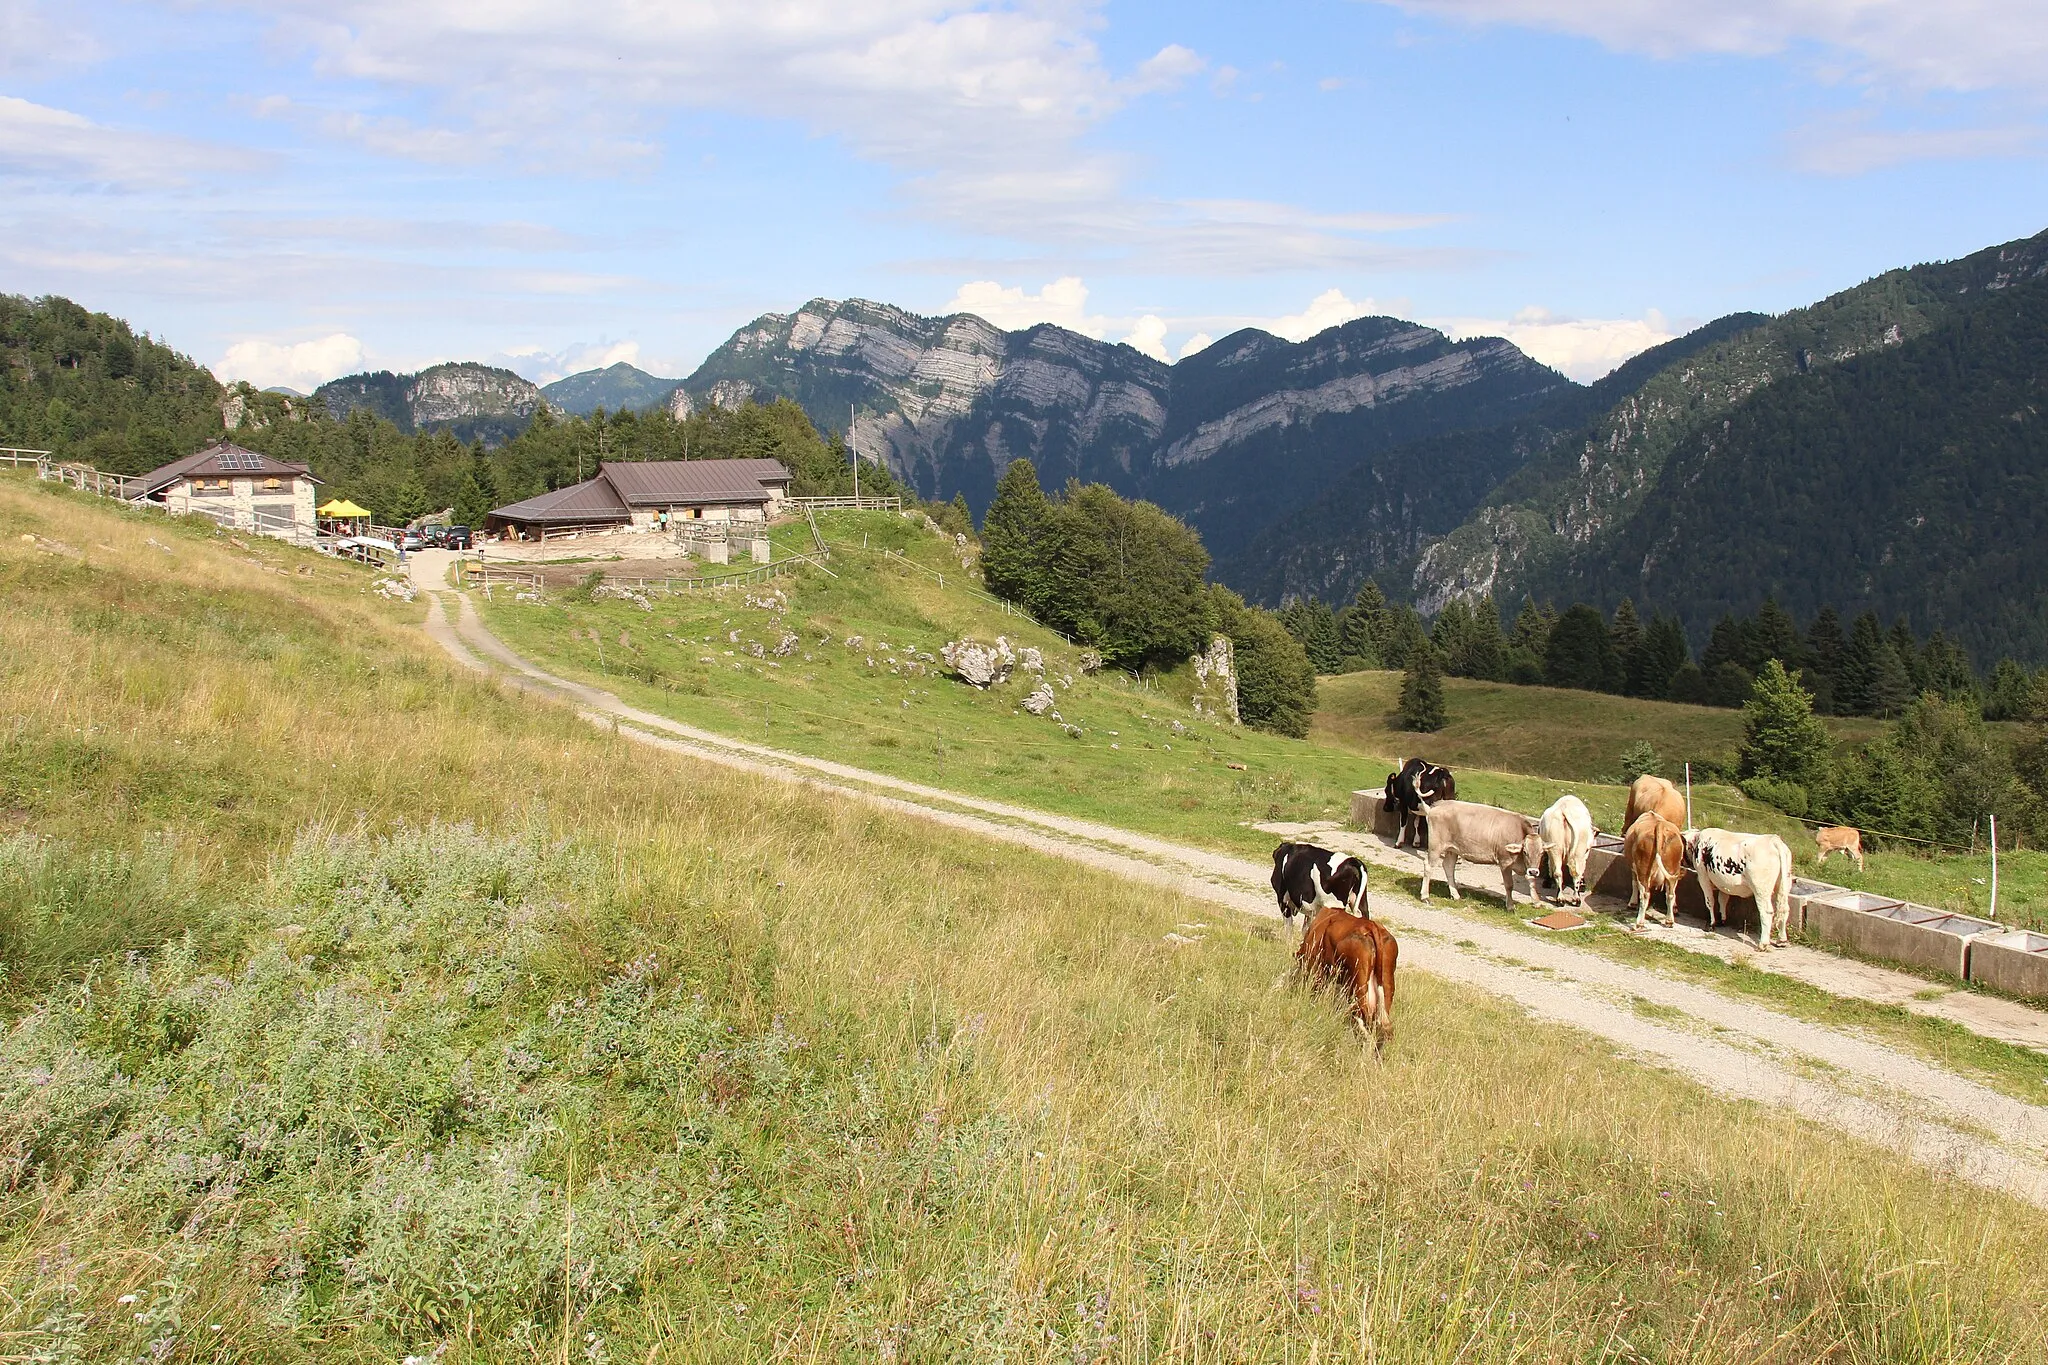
1839 839
1655 850
1654 793
1480 834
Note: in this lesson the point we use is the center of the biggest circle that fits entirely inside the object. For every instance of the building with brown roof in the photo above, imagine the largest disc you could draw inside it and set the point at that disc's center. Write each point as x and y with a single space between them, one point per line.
240 488
645 493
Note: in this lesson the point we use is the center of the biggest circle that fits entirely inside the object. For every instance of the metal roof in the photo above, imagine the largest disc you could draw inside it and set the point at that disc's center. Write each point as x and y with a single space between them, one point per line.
659 483
591 500
219 460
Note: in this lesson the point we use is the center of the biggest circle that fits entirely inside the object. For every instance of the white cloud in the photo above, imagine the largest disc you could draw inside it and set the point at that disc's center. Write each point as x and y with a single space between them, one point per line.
980 106
56 144
1917 44
1064 301
545 367
1148 335
1200 341
31 39
1326 310
1855 145
302 365
1583 348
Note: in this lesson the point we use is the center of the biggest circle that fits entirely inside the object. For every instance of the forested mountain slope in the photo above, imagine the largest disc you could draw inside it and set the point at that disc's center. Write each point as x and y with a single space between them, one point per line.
471 402
1379 517
1911 480
615 388
85 387
1232 439
1558 517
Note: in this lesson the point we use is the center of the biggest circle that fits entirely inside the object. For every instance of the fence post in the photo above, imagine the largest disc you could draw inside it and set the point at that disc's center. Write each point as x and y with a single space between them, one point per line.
1994 868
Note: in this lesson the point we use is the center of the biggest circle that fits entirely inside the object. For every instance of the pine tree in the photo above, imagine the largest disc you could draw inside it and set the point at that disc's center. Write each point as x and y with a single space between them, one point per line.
1532 628
1727 645
1450 636
1891 686
1657 659
1581 655
1626 633
1422 692
1781 737
1908 649
1321 643
1862 662
1823 667
1945 671
1775 636
1487 652
1013 537
2011 694
1363 627
1405 634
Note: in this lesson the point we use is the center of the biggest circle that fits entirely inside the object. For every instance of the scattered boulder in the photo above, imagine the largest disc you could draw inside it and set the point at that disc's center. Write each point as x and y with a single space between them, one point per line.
1091 661
398 589
786 646
1041 700
980 665
1030 659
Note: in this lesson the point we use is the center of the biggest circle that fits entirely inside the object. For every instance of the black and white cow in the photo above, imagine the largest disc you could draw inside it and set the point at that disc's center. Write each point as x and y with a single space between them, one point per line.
1307 878
1418 784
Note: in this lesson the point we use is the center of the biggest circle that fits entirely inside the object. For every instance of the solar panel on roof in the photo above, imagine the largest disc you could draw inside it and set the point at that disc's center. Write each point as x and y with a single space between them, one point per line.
239 459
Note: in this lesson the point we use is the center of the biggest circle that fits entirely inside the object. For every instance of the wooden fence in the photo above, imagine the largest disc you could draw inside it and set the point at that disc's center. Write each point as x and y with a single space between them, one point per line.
481 575
846 504
17 455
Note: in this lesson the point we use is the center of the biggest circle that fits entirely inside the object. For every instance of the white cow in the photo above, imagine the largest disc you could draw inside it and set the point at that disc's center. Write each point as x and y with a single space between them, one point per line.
1755 865
1567 830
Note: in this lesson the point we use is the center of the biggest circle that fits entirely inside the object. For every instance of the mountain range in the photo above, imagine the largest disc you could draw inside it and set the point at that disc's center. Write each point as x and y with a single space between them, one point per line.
1882 449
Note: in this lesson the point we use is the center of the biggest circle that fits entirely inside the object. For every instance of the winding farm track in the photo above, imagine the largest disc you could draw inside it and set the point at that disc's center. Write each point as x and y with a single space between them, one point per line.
1732 1047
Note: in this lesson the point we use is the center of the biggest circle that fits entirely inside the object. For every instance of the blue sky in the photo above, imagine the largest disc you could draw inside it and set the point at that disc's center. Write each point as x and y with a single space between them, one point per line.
293 190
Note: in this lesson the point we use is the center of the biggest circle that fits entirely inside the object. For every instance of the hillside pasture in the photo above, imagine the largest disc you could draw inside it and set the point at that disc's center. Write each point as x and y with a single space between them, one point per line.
472 1032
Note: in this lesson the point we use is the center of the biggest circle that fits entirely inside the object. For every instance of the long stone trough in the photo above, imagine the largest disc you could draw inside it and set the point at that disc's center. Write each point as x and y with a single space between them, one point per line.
1963 946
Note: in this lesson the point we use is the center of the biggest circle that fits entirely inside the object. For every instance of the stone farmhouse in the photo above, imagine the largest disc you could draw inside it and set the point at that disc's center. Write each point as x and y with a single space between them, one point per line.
237 488
650 493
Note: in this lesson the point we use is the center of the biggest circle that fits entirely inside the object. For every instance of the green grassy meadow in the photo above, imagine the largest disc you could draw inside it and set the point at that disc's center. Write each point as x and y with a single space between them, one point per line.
360 1009
1130 766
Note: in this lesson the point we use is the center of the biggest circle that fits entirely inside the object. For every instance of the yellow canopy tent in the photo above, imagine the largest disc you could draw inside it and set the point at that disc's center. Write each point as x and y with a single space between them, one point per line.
342 508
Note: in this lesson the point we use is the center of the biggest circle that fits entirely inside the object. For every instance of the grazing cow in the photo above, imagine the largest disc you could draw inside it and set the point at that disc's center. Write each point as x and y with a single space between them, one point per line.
1654 793
1567 831
1418 784
1655 850
1755 865
1342 949
1481 834
1307 878
1840 839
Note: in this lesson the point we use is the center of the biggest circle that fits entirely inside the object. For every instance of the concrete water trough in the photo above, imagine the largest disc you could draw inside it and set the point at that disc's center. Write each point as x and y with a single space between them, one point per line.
2015 962
1368 811
1878 926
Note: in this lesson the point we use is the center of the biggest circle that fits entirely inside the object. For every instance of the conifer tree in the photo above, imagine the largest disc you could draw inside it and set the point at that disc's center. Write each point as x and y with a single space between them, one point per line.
1486 648
1908 649
1781 737
1422 691
1626 633
1364 626
1450 637
2011 695
1946 671
1726 645
1581 654
1823 659
1658 657
1532 628
1013 537
1775 636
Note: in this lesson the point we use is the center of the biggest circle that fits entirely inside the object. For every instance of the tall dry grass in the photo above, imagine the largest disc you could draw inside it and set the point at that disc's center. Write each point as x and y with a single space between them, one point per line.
785 1078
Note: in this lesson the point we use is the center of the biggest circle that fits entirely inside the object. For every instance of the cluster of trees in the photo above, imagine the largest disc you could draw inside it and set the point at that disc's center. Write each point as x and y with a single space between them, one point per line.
83 386
1936 773
1127 580
1863 670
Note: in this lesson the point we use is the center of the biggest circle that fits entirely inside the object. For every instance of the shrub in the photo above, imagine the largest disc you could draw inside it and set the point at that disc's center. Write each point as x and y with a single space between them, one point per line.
1639 758
1789 797
1782 740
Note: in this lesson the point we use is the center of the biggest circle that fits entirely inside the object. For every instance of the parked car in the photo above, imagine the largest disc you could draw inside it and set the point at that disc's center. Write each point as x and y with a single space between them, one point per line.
409 541
457 538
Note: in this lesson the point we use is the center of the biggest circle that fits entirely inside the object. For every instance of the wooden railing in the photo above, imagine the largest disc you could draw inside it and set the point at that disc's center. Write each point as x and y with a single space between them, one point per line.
86 479
17 455
483 575
846 504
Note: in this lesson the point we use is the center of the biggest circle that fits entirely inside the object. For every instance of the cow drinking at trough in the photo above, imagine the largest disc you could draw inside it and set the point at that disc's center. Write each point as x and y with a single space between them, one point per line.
1307 878
1649 792
1341 949
1839 839
1755 865
1415 786
1480 834
1655 850
1567 832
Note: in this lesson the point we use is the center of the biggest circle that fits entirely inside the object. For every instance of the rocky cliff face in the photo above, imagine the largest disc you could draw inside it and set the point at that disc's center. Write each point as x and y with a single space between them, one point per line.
1232 438
472 401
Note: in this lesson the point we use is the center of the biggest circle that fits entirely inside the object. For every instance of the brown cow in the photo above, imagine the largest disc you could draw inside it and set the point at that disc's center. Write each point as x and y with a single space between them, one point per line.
1654 793
1655 850
1839 839
1343 949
